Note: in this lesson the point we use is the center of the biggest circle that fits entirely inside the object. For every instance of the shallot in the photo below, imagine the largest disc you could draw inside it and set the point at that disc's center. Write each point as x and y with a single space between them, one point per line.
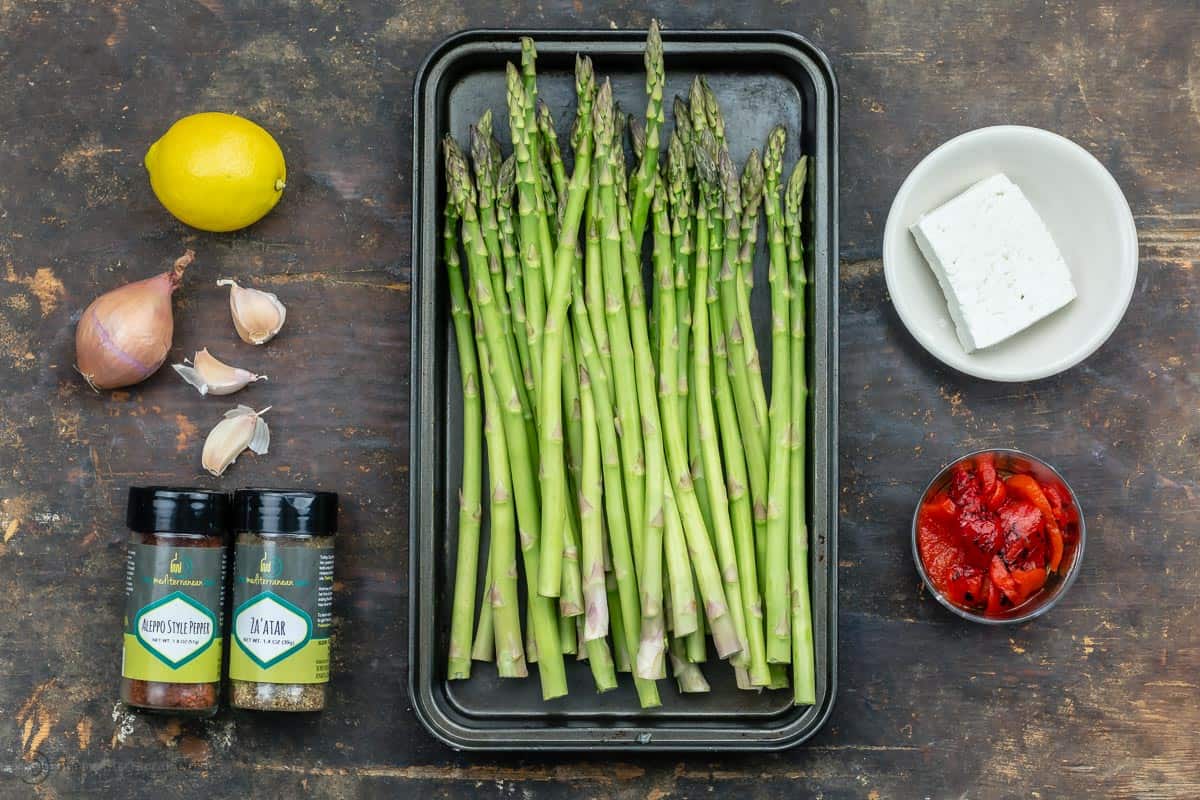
123 337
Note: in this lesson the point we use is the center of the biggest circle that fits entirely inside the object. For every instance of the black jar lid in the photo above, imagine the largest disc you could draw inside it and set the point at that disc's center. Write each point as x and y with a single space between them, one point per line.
167 509
285 511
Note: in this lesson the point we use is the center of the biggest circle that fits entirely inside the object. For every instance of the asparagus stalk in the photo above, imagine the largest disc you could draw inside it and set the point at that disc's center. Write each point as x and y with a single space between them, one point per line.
486 177
752 194
550 422
502 558
725 635
528 200
617 326
553 154
550 667
727 239
544 211
688 677
680 507
712 113
594 284
803 670
549 196
680 194
625 615
484 648
595 593
738 490
722 530
531 656
567 635
514 283
595 626
778 590
470 509
682 584
651 661
619 642
696 643
643 180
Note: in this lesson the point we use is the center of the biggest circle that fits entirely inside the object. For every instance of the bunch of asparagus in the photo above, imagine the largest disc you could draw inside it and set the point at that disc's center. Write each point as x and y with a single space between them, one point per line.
633 455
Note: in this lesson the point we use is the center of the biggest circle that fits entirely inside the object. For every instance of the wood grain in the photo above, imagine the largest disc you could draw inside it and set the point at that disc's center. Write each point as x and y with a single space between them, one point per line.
1100 698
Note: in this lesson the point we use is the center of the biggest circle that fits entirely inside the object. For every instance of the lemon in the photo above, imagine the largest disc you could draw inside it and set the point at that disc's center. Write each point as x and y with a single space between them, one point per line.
216 172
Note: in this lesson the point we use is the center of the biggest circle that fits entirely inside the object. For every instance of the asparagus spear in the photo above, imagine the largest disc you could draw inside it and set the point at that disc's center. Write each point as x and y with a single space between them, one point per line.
778 589
725 245
722 530
725 635
486 174
528 200
712 113
682 584
550 422
752 193
680 194
683 177
643 180
550 670
543 211
567 635
620 645
553 154
470 509
595 624
514 283
594 283
502 593
688 677
803 671
738 488
617 326
650 662
484 648
595 593
625 616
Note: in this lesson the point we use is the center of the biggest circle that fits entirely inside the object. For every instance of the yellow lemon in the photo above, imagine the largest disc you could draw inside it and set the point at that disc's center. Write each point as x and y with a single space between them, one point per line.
217 172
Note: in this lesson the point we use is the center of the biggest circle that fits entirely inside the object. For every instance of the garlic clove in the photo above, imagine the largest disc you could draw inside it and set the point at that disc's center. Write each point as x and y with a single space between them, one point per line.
211 376
242 427
257 315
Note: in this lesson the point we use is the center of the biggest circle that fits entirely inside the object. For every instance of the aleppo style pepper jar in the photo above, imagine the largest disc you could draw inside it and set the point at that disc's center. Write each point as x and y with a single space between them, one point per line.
174 599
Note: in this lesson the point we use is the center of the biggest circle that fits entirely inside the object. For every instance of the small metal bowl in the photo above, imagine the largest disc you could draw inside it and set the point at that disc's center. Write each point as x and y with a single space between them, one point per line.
1012 461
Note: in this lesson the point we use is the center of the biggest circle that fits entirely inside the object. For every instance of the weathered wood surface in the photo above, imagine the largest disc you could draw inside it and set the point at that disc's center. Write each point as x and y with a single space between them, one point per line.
1100 698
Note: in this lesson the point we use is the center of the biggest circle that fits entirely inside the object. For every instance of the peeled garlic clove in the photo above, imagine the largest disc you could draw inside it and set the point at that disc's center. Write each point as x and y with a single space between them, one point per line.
211 376
257 315
242 427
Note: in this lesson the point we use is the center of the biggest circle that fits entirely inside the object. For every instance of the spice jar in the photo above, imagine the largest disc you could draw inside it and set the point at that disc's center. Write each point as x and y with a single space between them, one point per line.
174 599
282 598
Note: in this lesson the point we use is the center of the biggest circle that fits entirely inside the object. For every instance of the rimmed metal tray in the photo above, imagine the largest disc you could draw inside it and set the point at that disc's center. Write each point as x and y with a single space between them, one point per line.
761 78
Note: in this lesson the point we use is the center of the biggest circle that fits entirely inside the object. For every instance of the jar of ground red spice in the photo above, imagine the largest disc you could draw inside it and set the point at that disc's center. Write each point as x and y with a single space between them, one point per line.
174 599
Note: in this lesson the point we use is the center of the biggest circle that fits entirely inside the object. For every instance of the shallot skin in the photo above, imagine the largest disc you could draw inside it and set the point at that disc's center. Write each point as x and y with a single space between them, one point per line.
124 336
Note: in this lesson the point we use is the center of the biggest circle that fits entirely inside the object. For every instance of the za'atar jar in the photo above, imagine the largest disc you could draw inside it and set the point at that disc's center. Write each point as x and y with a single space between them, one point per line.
282 599
174 599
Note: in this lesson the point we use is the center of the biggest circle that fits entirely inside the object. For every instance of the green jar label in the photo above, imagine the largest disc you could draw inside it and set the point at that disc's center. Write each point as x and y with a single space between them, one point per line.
173 607
282 617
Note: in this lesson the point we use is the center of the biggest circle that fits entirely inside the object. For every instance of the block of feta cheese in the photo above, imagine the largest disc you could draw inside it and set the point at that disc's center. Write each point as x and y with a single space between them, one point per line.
997 264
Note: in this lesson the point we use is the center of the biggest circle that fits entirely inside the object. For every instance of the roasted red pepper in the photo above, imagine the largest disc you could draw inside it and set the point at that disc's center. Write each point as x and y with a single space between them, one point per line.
989 542
1029 581
1025 486
1000 577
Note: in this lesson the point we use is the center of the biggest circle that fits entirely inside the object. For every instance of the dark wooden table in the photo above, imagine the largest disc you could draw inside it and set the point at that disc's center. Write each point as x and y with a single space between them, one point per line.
1100 698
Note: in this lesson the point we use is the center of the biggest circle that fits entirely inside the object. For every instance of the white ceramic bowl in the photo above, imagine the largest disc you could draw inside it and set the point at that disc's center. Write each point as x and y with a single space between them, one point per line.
1087 215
